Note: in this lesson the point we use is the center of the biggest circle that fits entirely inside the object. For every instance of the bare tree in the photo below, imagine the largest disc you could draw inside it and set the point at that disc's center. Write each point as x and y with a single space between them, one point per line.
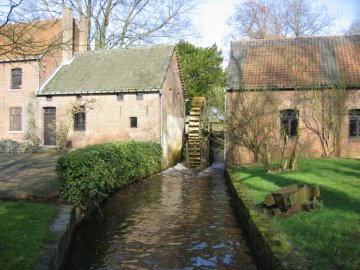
125 23
323 114
7 11
354 28
252 122
257 19
19 35
303 18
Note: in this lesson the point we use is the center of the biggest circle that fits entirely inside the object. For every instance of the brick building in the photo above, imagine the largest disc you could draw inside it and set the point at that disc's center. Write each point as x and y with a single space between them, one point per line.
40 47
119 94
289 71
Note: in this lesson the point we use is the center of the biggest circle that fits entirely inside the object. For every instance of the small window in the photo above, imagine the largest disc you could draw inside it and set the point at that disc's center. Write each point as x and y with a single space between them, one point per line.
80 121
139 96
16 78
120 97
354 123
48 98
289 123
133 122
15 119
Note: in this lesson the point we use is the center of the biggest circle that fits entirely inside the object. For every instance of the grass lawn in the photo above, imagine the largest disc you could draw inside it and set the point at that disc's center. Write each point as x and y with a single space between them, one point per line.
328 238
23 228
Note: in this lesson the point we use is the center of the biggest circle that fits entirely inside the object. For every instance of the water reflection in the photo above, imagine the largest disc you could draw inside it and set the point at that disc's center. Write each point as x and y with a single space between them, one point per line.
178 219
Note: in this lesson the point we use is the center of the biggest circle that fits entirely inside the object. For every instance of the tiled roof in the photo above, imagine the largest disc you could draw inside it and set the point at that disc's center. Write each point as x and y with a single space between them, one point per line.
28 40
294 62
117 70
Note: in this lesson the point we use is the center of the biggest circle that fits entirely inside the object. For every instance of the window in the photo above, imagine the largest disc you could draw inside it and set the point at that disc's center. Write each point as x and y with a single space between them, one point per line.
48 98
139 96
289 122
16 75
79 121
120 97
354 123
15 119
133 122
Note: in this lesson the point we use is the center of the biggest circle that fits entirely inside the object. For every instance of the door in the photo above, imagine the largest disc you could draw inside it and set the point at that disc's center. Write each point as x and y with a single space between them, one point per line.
50 126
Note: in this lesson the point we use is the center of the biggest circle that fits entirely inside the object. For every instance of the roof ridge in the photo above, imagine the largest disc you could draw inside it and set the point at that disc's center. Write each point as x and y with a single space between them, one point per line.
55 20
293 38
102 51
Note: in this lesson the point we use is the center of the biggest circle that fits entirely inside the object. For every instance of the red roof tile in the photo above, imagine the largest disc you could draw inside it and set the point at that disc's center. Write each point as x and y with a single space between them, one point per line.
28 40
291 62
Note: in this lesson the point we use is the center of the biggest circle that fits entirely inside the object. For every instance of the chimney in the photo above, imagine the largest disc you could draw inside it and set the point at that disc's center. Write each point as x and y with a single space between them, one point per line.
83 35
68 34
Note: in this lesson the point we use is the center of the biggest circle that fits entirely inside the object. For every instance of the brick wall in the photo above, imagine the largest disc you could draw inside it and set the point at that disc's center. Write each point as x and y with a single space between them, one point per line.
107 119
20 98
49 63
34 74
310 144
173 115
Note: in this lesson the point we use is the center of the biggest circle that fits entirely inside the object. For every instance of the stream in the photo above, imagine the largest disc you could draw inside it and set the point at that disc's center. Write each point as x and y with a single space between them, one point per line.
177 219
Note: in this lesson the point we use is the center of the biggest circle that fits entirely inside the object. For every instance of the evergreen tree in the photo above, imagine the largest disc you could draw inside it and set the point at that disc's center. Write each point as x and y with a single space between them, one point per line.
201 68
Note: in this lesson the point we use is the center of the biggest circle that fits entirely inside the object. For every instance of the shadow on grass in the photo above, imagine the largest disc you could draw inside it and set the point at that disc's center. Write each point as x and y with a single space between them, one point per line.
327 173
328 238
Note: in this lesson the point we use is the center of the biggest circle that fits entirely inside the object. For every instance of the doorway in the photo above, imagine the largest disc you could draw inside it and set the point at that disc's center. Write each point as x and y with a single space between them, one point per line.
50 126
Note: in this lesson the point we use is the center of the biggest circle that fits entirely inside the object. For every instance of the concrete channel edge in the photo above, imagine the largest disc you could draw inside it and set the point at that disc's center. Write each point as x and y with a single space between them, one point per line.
260 245
57 243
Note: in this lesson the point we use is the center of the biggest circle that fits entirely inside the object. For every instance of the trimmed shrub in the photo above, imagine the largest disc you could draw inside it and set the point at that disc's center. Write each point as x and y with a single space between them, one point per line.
86 176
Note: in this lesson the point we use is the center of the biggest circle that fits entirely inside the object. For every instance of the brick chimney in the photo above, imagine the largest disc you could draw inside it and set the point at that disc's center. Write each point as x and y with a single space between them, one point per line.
83 35
68 34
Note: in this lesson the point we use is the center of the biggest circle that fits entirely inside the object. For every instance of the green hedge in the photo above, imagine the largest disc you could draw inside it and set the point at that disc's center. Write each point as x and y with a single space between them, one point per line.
86 176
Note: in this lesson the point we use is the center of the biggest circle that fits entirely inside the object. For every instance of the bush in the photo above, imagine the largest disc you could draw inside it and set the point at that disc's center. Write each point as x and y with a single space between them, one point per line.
10 146
85 177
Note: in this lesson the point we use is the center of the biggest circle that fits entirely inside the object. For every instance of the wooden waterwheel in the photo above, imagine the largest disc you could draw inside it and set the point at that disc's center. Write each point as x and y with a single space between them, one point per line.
195 131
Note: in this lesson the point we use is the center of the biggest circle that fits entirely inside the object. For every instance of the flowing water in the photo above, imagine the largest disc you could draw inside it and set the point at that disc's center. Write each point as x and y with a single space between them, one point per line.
178 219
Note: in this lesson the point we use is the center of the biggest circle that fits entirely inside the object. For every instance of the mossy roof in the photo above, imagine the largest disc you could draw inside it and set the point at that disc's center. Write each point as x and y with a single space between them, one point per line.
112 71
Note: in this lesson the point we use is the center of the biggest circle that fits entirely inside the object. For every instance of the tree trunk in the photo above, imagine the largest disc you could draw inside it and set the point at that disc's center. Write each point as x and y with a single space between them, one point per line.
267 155
283 161
295 152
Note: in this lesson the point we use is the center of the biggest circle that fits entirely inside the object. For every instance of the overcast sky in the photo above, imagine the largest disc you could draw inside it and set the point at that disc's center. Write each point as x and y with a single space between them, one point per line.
211 15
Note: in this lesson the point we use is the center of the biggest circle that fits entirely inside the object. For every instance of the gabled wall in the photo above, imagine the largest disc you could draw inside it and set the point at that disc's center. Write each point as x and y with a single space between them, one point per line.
173 115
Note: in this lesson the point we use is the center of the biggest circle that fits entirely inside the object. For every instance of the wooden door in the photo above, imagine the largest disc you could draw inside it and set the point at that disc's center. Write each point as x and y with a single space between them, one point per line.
50 126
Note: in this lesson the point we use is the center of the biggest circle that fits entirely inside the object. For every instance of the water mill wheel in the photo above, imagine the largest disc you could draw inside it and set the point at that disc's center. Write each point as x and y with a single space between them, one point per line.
195 132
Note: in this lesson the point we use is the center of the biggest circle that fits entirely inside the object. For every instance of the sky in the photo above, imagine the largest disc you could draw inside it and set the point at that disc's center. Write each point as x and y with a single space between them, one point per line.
211 15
